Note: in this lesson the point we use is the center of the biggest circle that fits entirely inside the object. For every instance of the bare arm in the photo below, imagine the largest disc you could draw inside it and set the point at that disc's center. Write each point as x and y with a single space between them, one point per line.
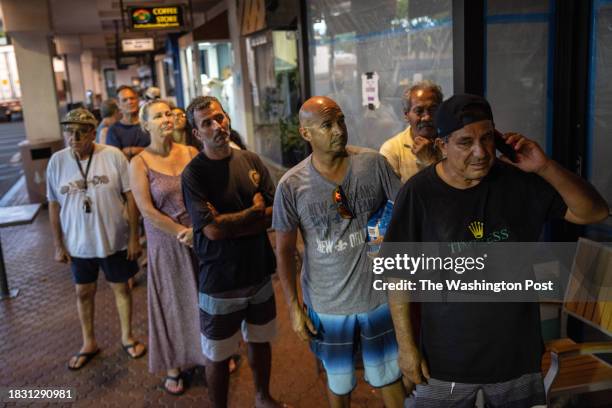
413 366
250 221
61 253
286 267
142 195
134 249
584 204
400 313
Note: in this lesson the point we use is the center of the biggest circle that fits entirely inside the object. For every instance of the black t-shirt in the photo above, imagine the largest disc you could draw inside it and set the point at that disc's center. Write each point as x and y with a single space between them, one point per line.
477 342
229 185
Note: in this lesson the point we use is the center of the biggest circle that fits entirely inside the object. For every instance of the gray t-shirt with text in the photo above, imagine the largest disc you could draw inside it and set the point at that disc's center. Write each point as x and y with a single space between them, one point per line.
336 273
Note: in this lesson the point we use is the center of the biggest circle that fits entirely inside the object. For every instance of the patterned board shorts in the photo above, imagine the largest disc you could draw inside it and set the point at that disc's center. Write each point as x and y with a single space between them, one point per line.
340 337
523 392
251 311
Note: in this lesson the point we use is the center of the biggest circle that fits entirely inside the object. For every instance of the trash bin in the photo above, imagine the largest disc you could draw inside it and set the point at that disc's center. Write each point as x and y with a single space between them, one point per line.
35 157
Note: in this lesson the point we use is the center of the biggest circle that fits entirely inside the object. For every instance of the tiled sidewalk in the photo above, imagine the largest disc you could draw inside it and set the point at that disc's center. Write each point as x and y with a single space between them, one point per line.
39 331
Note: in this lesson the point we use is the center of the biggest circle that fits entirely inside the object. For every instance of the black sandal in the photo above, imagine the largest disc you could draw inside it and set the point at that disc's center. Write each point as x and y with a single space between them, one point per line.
176 380
88 357
127 347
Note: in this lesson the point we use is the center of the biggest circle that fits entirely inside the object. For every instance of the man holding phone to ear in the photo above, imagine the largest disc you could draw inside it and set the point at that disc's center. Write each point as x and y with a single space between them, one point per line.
496 347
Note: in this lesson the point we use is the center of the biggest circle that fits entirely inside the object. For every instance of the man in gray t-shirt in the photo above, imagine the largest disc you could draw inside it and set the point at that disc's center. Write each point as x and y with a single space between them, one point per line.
329 197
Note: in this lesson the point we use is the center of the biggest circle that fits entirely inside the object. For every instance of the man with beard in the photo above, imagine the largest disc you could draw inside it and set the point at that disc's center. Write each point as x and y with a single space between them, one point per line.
127 135
413 149
87 188
228 194
329 197
496 347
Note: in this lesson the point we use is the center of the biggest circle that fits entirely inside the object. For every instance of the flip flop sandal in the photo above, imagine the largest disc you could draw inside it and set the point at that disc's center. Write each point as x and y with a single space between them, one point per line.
88 357
176 380
127 347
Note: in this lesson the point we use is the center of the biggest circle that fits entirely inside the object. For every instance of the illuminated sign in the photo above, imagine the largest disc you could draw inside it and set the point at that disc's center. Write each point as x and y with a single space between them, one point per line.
137 44
152 18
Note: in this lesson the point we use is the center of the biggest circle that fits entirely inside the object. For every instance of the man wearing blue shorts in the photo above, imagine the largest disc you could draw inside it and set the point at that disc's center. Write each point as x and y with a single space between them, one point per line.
329 197
87 189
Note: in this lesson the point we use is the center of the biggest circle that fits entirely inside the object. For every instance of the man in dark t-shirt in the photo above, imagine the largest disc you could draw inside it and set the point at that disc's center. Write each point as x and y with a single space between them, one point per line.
127 135
228 194
495 347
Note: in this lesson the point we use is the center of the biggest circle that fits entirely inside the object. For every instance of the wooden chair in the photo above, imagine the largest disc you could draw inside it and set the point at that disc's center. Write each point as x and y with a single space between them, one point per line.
570 367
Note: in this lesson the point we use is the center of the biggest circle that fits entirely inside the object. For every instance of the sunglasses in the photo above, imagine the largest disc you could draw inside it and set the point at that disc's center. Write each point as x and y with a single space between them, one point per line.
339 198
78 132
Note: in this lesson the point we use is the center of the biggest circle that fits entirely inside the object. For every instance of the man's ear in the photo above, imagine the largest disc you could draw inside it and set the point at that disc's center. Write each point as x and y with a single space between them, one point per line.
305 133
194 132
441 145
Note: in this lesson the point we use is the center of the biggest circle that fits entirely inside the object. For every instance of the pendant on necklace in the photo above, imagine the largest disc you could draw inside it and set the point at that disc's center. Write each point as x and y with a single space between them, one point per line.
87 205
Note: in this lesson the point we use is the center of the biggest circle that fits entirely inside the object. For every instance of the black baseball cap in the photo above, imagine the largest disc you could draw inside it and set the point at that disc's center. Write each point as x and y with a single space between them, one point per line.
461 110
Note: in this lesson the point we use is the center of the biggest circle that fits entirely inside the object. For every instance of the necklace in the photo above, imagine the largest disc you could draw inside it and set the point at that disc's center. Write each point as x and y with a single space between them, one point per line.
86 201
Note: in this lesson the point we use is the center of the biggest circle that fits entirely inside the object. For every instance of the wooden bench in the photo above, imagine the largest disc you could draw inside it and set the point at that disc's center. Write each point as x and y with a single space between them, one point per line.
570 367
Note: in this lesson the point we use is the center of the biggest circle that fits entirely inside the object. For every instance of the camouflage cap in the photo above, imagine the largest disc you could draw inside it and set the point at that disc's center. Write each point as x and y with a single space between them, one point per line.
80 116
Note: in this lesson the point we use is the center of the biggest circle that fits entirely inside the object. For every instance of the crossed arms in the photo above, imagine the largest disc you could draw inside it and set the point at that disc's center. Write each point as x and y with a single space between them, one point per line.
250 221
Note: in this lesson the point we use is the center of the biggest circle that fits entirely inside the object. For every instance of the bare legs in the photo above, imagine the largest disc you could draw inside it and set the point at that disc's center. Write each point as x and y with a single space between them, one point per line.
260 360
85 294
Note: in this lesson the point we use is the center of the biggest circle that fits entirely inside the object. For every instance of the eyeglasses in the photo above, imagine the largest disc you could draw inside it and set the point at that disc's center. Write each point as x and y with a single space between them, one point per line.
78 131
179 115
339 198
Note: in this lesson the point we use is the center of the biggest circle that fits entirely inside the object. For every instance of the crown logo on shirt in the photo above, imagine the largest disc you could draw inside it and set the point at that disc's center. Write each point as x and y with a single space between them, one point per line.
477 229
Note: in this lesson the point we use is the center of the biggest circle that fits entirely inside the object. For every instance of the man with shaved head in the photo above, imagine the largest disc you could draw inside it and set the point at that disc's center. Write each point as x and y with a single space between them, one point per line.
329 197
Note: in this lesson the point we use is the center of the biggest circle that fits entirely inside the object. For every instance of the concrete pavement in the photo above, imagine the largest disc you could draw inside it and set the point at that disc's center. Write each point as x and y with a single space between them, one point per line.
39 331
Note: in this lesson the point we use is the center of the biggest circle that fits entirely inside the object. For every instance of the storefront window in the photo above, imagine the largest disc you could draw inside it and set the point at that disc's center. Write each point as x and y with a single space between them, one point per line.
402 41
600 109
274 77
168 71
518 69
188 69
216 80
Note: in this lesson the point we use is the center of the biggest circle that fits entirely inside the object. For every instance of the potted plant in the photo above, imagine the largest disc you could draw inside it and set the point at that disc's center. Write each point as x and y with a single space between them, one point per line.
294 148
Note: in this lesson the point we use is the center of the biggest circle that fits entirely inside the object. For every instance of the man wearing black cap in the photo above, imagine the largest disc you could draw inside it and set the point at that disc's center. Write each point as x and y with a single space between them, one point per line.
495 347
87 188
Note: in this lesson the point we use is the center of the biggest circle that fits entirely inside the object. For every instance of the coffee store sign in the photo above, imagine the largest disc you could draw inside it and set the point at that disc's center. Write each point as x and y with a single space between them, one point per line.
156 18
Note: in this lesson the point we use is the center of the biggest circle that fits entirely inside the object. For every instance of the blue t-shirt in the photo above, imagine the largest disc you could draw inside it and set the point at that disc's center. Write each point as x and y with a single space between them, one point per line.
120 136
